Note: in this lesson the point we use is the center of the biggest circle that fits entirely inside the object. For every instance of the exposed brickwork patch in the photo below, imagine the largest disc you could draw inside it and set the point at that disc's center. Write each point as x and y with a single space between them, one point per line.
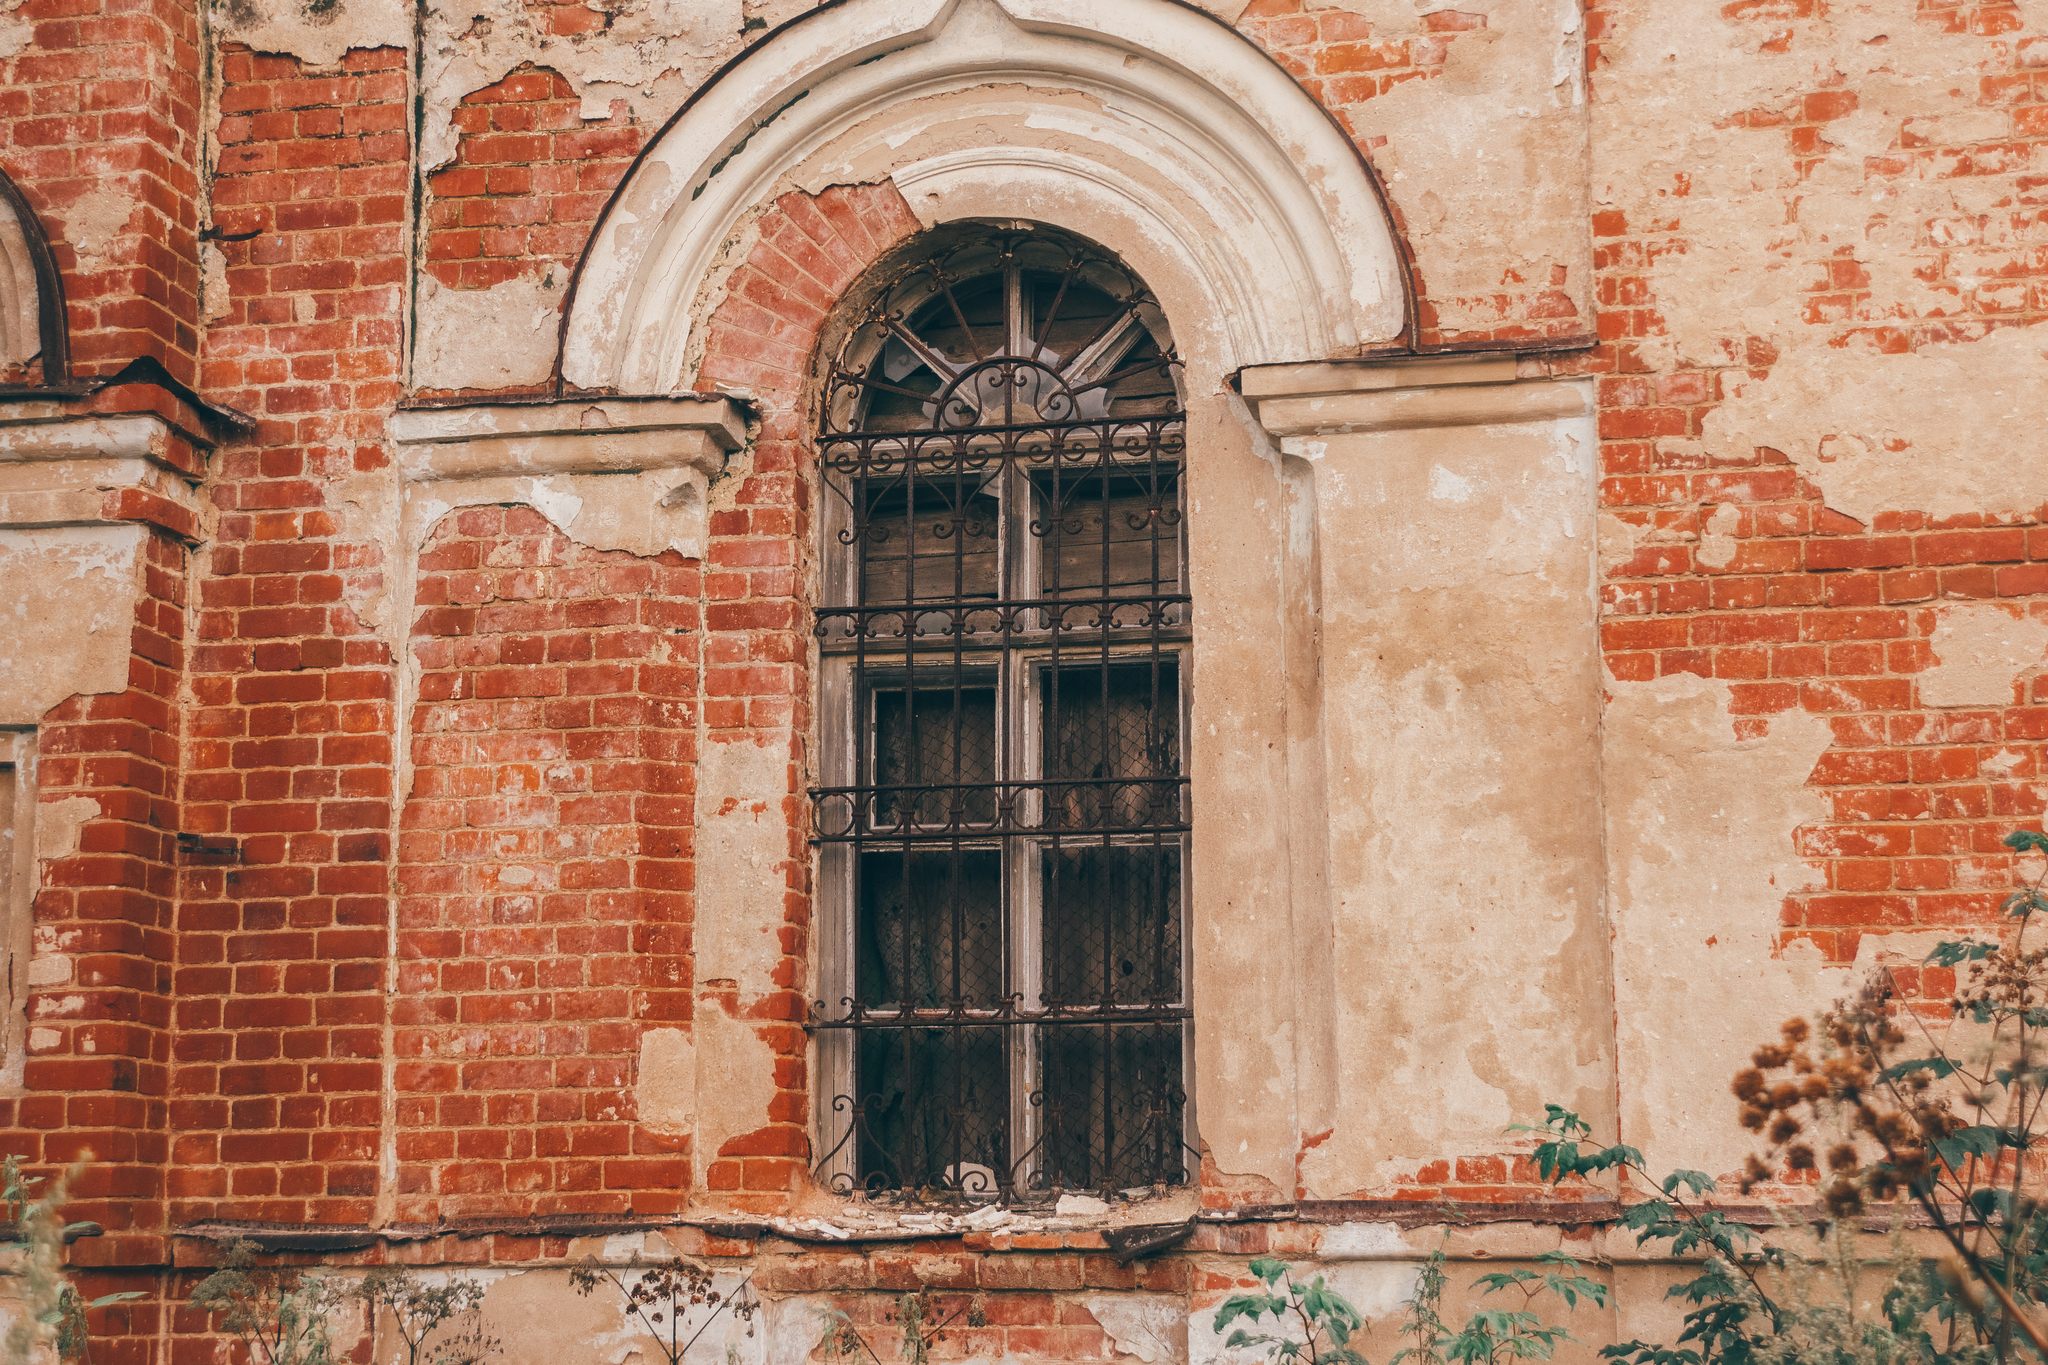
544 870
757 682
1803 608
529 179
280 985
99 1043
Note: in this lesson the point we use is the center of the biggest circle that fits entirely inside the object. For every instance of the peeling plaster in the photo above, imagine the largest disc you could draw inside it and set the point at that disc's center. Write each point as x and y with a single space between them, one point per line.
649 53
215 299
1980 652
537 1315
497 338
317 33
94 219
1948 430
1717 539
742 843
1618 541
1343 1241
793 1326
644 513
367 504
1953 428
58 826
1488 161
1148 1327
68 598
1700 846
665 1088
17 31
1459 700
1377 1291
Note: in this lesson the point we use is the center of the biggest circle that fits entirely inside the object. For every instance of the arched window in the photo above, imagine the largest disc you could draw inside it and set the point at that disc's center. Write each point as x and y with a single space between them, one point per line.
1004 634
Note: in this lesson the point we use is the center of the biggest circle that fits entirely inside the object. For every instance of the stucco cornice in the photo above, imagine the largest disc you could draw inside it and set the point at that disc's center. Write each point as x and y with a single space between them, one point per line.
59 468
585 436
1302 401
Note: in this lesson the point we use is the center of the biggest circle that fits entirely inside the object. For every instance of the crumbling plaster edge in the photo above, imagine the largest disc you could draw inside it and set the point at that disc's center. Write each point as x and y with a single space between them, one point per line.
40 438
66 469
490 453
1599 1242
435 450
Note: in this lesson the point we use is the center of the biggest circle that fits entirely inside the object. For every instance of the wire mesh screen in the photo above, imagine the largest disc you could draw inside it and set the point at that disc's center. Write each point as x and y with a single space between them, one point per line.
1003 453
935 756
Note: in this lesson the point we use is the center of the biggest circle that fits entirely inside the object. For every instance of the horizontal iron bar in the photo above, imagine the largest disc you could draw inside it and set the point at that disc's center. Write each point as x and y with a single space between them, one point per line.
1150 424
1092 1016
933 605
1073 836
1032 784
980 648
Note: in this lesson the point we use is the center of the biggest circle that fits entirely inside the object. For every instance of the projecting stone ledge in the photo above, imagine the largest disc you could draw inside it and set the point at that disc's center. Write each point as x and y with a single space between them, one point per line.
1324 398
627 474
576 436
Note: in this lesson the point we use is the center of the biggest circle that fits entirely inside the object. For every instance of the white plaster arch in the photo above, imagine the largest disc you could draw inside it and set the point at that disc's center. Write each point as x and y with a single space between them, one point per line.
1140 112
20 299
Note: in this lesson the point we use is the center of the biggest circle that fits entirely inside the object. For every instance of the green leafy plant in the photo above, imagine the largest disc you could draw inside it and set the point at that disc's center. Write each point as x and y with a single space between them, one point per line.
278 1314
423 1314
74 1333
16 1188
665 1296
1680 1216
1495 1335
1871 1107
1325 1319
838 1338
1313 1323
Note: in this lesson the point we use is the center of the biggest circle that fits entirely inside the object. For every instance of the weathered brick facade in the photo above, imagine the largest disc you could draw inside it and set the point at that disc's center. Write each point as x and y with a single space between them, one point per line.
425 860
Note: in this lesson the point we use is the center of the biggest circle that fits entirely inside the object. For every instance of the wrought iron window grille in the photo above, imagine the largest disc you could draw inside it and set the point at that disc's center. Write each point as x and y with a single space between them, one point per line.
1003 827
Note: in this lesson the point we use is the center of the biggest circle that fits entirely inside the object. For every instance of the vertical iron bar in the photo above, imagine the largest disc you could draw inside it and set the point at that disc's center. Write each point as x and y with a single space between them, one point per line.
957 1039
913 1122
1155 750
1105 803
857 697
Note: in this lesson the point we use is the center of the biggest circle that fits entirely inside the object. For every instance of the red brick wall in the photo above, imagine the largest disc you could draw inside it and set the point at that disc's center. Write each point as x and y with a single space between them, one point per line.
1817 612
280 982
227 1058
99 1043
529 179
105 98
544 871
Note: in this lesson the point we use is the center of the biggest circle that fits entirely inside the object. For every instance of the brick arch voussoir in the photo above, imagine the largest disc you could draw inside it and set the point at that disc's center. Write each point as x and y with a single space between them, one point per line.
762 340
809 249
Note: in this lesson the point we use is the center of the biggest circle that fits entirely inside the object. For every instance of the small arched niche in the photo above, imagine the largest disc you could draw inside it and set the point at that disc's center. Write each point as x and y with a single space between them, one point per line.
32 326
1144 124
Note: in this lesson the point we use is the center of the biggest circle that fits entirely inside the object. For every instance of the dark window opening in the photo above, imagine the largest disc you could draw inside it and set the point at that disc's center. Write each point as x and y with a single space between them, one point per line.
1004 646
